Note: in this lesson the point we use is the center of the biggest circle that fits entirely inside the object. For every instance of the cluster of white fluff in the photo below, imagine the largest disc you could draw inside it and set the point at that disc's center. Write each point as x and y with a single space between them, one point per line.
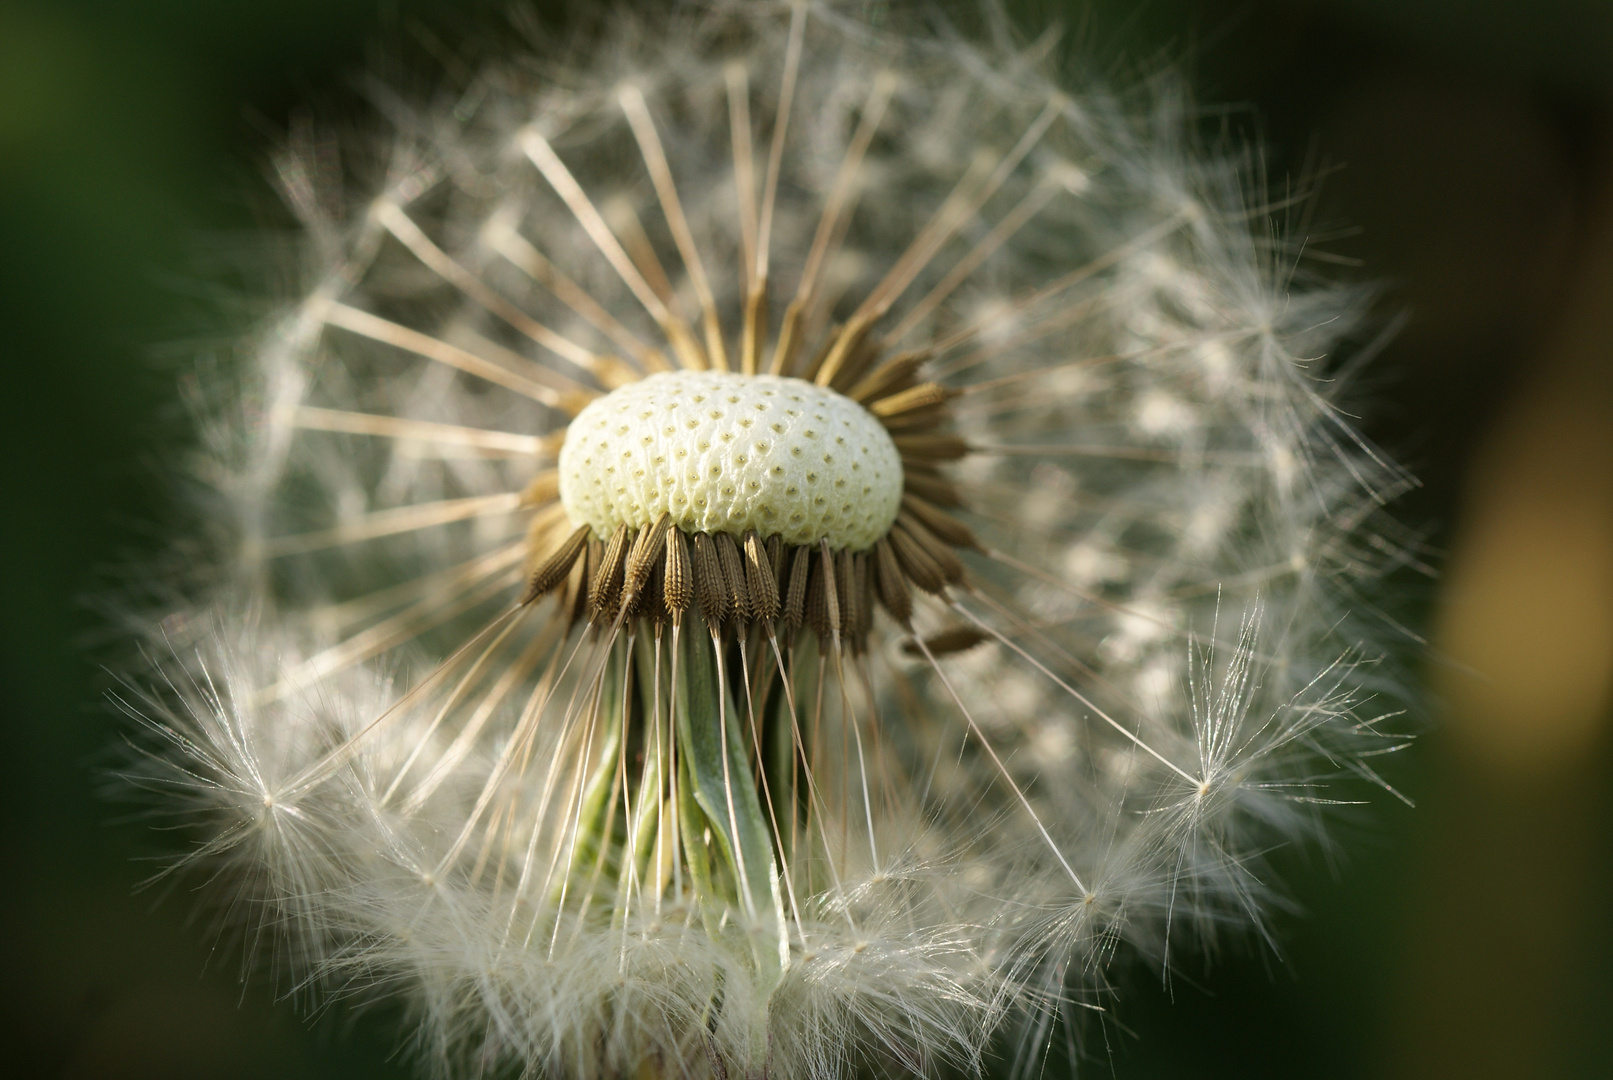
1174 517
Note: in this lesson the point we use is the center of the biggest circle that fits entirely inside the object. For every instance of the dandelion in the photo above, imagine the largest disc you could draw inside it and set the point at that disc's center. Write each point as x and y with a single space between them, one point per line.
729 553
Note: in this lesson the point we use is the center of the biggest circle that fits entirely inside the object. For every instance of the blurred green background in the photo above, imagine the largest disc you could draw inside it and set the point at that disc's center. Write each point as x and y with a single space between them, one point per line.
1469 145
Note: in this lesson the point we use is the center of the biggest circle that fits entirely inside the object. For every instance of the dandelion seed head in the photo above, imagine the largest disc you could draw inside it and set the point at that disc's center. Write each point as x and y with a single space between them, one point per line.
775 547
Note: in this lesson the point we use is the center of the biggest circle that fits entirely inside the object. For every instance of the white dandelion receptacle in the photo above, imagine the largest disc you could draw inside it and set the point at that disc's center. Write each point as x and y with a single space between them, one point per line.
729 453
773 551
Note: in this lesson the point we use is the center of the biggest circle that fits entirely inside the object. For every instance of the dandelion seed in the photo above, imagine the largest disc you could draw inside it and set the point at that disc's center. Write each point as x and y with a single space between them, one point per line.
736 540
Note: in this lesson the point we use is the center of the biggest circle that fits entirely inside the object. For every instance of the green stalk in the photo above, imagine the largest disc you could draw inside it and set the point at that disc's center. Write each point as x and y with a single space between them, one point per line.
717 770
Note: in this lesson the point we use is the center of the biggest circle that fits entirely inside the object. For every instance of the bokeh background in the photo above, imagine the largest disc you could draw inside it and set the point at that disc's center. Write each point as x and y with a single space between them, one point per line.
1466 144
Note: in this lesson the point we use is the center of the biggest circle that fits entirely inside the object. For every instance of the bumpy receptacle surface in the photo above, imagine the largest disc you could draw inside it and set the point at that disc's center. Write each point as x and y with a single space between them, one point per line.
725 452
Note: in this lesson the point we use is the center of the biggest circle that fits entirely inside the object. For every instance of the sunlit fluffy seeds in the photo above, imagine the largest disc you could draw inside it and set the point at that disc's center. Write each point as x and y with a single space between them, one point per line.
602 785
